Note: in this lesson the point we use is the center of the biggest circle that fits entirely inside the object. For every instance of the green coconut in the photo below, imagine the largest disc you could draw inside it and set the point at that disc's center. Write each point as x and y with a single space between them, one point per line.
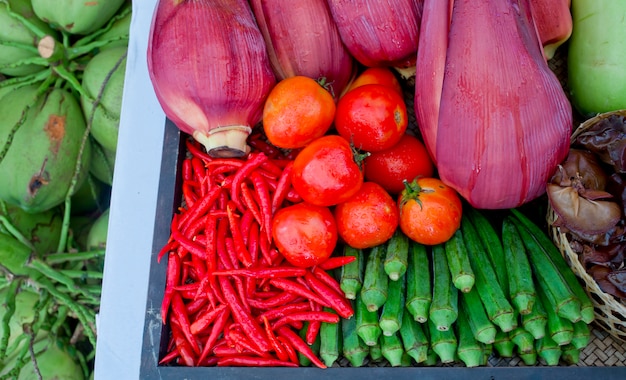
106 71
42 229
119 32
14 256
25 302
102 163
14 31
40 162
76 16
90 197
97 238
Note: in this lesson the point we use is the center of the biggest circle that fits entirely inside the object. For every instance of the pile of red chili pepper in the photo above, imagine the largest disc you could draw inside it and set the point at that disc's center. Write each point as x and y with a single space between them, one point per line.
230 298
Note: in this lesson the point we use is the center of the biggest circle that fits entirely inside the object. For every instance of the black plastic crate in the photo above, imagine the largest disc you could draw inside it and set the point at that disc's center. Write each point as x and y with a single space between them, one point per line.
155 333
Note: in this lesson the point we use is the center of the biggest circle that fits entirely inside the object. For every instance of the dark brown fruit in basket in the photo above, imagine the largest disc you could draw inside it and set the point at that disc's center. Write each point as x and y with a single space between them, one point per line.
600 273
583 167
607 139
616 185
618 278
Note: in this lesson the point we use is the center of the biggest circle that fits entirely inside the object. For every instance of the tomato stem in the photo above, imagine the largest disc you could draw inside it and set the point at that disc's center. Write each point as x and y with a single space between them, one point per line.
411 191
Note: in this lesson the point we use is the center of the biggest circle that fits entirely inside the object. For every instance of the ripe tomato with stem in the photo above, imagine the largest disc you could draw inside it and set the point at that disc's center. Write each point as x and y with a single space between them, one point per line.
430 211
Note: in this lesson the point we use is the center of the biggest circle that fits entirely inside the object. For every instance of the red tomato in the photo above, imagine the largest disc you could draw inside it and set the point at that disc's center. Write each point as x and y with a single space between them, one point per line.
373 117
368 218
380 75
325 171
297 111
430 211
304 234
405 160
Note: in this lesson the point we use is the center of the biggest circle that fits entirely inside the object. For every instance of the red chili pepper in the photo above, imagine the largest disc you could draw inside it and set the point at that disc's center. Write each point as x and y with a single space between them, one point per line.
195 150
228 349
167 248
203 321
284 310
223 255
189 245
291 352
314 327
170 356
199 208
185 351
241 290
245 223
270 169
241 341
327 279
207 288
210 246
187 287
336 262
196 305
171 280
179 313
216 331
208 362
250 202
240 247
337 302
272 272
252 361
282 187
260 186
231 251
294 287
303 316
269 303
266 254
248 324
187 170
300 345
253 162
198 168
225 162
260 145
253 243
189 195
280 351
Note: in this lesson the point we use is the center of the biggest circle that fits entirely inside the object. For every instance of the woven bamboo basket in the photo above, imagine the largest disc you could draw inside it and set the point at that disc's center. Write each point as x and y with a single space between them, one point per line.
610 312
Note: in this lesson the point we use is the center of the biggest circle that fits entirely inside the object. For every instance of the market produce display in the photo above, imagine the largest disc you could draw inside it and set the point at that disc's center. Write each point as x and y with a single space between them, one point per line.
398 232
62 72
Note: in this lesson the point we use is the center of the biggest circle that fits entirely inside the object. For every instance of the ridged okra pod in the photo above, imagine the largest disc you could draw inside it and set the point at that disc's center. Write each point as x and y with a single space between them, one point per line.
351 279
444 308
396 259
570 300
393 310
375 280
459 265
418 282
521 286
497 305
